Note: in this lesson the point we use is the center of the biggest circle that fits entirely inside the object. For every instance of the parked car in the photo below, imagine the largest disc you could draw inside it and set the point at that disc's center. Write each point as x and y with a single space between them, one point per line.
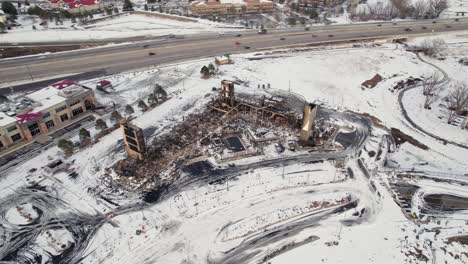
55 165
408 29
151 53
330 36
246 47
239 35
279 147
237 43
282 38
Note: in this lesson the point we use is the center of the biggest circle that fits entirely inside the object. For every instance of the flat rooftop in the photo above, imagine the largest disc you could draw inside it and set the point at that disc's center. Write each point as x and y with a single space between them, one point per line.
50 96
5 119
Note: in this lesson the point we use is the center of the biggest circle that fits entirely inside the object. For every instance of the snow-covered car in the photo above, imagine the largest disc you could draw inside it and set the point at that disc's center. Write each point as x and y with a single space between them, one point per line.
55 165
279 147
291 145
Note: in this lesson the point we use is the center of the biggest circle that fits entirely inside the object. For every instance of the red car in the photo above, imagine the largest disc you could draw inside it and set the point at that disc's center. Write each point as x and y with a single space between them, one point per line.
237 43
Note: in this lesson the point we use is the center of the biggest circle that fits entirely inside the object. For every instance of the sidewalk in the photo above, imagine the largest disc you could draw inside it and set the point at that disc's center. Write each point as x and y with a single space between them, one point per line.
17 153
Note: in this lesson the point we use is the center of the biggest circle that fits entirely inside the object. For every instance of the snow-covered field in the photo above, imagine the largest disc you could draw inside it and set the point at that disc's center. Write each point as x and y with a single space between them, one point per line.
296 213
123 26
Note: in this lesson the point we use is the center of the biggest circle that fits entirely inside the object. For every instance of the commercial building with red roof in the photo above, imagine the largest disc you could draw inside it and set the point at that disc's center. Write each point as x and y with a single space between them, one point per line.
80 6
223 7
44 111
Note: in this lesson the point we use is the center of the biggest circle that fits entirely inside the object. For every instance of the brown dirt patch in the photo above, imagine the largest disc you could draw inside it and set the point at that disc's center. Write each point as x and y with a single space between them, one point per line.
401 138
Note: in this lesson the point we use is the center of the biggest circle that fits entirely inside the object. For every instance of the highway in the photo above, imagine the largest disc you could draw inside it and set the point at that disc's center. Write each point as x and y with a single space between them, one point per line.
119 58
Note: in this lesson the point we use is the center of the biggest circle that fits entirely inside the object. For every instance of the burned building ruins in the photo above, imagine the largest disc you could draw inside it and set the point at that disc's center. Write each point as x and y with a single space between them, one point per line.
234 125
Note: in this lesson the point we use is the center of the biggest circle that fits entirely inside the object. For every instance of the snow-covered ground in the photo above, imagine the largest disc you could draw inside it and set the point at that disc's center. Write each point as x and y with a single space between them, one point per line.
247 215
123 26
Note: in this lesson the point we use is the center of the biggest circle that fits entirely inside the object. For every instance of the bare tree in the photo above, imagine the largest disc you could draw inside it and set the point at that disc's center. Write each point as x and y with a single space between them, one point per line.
431 88
421 8
458 100
438 6
403 7
433 47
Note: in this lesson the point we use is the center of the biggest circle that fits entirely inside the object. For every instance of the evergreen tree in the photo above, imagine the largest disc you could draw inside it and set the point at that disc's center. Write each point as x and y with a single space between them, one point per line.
19 4
100 124
129 109
142 105
35 10
85 136
127 5
115 117
205 71
212 68
65 14
313 14
9 9
152 99
66 146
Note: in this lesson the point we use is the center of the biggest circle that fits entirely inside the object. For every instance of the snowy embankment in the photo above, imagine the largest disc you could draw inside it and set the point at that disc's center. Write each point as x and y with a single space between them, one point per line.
124 26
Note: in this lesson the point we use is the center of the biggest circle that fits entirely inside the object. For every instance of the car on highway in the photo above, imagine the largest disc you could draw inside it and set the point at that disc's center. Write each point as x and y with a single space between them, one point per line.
246 47
314 36
151 53
237 43
330 36
145 46
282 38
408 29
239 35
433 22
448 26
379 25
